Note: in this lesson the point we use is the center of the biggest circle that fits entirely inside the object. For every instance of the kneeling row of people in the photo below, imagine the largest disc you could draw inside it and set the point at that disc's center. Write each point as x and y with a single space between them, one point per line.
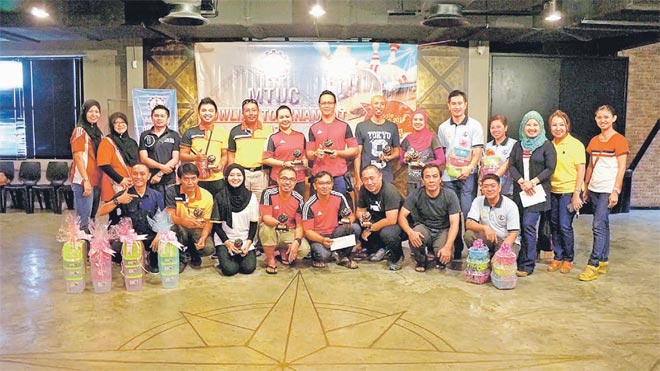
227 225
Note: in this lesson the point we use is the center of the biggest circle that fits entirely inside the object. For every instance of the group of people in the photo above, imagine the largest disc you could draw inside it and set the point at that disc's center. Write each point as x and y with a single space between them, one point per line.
245 187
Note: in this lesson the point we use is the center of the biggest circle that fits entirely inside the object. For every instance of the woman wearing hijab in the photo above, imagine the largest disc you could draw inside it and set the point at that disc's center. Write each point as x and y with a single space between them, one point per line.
419 148
533 160
85 174
236 215
116 155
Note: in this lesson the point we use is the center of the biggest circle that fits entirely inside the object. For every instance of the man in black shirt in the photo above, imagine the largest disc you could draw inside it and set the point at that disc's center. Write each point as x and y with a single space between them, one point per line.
377 212
435 212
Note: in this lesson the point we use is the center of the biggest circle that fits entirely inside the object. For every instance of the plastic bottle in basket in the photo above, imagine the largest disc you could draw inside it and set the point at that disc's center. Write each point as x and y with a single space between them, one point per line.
168 264
132 265
74 266
504 268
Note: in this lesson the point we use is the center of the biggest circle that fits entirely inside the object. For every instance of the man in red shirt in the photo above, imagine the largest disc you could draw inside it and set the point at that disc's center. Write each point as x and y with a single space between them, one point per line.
281 227
322 215
331 142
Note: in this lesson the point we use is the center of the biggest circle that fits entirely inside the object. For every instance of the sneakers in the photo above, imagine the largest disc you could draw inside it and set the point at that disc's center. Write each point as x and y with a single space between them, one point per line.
154 269
555 266
395 266
602 267
378 256
566 267
590 273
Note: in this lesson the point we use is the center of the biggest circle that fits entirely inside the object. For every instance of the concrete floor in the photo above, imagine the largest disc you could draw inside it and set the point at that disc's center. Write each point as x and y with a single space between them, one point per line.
333 318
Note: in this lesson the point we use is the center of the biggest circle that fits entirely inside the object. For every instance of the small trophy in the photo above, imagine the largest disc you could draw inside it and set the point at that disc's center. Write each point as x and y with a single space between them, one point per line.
387 151
366 218
345 213
281 226
238 243
328 143
413 158
297 154
197 212
211 162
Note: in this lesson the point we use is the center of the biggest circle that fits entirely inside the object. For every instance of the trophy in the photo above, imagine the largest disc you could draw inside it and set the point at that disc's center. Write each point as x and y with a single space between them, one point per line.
281 226
387 151
211 162
297 154
238 243
366 218
413 158
328 143
197 212
345 213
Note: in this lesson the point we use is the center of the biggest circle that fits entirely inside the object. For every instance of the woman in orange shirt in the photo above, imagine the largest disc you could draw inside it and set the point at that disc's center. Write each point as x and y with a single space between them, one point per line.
85 174
117 153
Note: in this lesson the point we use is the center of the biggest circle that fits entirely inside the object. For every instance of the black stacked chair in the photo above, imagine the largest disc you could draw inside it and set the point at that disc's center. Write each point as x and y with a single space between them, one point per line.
57 172
29 174
6 167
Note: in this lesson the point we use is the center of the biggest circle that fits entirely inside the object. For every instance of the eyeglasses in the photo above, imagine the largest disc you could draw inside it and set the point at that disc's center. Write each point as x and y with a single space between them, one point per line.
287 179
248 101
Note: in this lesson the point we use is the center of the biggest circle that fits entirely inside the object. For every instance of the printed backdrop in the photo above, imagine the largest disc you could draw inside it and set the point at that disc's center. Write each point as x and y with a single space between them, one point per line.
295 73
144 100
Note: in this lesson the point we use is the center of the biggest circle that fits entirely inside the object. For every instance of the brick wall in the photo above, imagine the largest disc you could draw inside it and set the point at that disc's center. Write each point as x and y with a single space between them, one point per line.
643 110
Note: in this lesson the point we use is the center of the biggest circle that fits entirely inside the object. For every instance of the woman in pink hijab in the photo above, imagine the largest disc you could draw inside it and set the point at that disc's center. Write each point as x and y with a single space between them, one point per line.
419 148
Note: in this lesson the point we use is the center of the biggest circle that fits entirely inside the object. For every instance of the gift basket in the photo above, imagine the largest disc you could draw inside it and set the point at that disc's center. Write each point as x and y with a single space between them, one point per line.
132 252
73 253
458 157
504 268
100 257
168 249
476 266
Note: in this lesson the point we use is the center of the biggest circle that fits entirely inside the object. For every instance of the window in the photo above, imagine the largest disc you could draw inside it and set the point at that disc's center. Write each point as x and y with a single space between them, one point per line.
39 101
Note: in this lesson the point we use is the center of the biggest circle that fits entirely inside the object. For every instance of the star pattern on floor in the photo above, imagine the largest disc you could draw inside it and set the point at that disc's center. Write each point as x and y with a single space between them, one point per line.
294 333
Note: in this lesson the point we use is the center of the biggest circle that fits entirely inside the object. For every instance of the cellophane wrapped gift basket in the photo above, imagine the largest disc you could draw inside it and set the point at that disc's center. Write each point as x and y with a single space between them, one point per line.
73 253
168 249
477 264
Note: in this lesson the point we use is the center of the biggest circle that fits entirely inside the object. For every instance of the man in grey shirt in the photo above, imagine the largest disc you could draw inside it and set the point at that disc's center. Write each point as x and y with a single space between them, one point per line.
378 142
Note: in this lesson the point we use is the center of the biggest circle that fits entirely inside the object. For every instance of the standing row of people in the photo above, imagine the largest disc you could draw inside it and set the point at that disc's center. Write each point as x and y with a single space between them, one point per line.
102 166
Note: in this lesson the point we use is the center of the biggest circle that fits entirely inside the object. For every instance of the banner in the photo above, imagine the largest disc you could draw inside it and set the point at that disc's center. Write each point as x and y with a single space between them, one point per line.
295 74
144 100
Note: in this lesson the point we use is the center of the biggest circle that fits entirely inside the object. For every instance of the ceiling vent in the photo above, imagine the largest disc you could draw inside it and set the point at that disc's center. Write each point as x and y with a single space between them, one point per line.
184 13
445 15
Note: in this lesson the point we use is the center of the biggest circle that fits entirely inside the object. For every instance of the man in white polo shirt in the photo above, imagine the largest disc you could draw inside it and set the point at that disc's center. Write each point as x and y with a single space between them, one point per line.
493 218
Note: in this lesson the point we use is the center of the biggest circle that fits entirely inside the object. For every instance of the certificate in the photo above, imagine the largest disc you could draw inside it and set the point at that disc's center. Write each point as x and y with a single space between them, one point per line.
538 196
342 242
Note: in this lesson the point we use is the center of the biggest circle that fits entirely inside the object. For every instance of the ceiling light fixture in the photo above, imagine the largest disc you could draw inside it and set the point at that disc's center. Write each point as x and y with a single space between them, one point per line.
317 11
39 12
552 14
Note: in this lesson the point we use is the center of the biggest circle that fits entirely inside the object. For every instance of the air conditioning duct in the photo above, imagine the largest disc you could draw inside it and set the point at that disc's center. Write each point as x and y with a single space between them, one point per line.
184 13
445 15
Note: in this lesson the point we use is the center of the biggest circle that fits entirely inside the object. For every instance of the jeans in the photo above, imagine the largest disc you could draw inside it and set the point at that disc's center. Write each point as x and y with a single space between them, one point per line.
86 207
431 240
601 228
527 256
561 223
466 191
388 238
320 253
232 264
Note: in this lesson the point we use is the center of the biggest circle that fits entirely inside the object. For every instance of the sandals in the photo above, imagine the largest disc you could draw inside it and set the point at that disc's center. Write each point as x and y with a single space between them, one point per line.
348 263
271 269
318 264
420 268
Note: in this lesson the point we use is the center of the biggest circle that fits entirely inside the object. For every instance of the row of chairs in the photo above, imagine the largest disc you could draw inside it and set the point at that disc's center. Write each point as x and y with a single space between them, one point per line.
23 192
